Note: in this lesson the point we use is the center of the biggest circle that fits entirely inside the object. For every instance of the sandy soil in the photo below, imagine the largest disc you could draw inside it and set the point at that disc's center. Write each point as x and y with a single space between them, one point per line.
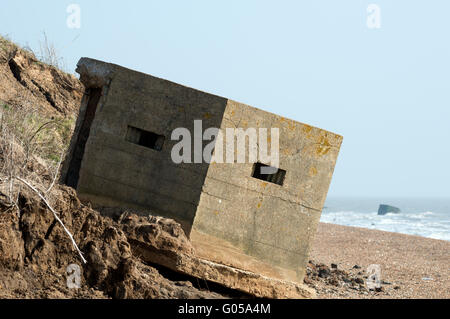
411 266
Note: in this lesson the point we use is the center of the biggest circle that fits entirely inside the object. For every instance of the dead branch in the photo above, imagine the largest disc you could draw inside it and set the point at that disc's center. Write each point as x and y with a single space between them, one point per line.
56 174
55 214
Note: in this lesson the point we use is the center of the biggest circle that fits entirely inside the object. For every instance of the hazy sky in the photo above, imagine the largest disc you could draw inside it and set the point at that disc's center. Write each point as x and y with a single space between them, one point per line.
385 90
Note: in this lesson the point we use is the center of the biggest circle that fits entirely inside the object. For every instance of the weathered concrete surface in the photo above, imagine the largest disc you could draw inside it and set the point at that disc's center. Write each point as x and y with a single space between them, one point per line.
273 223
231 217
115 172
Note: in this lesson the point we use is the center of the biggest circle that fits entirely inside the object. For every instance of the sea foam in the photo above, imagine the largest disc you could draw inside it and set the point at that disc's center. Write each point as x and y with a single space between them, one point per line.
424 223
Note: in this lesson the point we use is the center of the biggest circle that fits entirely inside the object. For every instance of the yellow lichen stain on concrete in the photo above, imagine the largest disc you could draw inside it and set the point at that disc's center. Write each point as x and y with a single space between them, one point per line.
307 129
291 125
207 116
323 146
312 171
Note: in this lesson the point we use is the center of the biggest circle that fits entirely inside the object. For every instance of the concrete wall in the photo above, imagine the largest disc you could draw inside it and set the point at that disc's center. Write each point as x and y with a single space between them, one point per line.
272 223
115 172
232 218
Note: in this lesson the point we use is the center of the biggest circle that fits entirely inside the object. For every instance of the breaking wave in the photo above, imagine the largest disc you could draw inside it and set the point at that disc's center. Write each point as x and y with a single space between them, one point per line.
426 224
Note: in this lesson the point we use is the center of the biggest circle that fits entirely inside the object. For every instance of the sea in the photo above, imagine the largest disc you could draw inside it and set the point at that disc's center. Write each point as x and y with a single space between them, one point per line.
422 217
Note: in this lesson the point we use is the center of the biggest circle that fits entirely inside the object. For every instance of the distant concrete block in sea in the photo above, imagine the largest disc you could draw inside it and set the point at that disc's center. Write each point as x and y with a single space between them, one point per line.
385 209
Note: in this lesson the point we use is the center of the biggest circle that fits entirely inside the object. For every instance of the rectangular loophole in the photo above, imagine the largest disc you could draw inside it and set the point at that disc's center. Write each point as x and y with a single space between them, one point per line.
269 174
145 138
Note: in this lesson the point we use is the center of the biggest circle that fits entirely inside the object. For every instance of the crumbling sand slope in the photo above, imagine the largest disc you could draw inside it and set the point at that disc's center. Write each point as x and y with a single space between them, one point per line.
35 252
27 82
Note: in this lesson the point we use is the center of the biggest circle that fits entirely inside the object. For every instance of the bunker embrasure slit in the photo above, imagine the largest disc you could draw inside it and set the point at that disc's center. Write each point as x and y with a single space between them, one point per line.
145 138
275 178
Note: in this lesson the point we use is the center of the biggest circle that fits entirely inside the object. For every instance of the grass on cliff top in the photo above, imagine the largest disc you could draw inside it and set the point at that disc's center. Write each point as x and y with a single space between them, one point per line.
8 48
38 134
47 53
5 44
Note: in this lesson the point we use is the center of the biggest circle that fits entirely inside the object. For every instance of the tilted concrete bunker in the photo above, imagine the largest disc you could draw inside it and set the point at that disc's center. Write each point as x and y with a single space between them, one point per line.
120 155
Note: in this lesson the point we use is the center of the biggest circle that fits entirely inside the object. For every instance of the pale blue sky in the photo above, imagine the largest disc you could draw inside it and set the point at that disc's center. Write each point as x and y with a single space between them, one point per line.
386 90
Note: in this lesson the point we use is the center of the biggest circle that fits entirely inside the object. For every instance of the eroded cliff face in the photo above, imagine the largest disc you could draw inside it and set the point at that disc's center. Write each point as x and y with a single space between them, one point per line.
35 252
27 82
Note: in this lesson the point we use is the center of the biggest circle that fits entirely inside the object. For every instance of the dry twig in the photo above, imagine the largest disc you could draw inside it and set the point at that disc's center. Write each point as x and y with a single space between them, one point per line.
56 174
55 214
